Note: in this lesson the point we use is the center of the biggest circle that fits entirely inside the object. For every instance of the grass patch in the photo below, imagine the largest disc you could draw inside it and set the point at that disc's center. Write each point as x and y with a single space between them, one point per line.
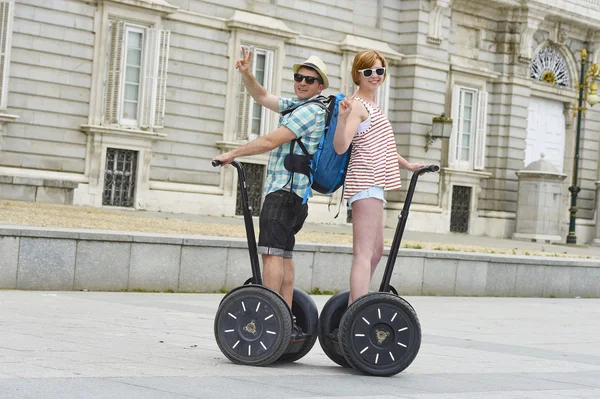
143 290
317 291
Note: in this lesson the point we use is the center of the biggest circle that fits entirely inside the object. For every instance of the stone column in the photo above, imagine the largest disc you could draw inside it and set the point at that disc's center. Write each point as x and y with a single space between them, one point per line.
508 120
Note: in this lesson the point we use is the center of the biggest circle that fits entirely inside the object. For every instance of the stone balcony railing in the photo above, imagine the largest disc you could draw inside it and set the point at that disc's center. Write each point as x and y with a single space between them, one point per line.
586 12
578 12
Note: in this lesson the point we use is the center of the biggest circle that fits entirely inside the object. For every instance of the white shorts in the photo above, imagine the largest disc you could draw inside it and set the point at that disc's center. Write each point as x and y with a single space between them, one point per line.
371 192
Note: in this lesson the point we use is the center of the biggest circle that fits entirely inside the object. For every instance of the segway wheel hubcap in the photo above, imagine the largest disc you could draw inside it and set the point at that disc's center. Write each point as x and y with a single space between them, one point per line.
381 335
250 327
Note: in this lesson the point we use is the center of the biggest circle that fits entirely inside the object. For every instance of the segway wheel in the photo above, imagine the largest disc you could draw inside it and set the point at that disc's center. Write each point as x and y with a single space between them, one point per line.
329 321
305 310
253 326
380 334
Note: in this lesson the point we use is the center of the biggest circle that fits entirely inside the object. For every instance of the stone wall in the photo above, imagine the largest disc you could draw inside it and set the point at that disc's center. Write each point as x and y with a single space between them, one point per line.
49 85
42 259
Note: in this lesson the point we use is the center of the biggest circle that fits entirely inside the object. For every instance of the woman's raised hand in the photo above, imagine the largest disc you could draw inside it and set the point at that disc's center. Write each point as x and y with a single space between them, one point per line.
345 106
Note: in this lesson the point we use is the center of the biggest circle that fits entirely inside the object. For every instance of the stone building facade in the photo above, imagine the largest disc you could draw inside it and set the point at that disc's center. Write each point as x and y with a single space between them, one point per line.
124 102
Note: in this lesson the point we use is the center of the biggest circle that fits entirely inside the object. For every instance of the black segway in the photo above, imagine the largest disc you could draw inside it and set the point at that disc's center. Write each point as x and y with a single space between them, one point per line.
253 325
379 334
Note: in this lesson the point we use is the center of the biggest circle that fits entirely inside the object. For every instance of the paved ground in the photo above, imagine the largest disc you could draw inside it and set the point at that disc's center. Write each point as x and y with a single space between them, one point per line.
136 345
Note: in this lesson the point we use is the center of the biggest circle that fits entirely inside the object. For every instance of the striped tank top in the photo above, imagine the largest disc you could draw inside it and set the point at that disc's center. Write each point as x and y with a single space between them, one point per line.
374 159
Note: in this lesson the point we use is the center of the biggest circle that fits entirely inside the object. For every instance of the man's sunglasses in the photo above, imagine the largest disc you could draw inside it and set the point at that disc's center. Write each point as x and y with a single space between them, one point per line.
309 79
369 72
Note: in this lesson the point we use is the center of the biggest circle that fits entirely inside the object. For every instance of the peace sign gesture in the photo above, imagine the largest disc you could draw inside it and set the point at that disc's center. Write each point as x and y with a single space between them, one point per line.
243 64
345 106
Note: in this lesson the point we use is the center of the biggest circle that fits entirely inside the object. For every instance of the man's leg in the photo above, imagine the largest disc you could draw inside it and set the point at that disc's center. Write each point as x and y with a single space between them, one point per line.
273 272
300 213
287 286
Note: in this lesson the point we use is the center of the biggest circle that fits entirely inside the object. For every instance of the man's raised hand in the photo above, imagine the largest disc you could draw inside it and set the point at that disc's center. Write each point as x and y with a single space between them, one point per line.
243 64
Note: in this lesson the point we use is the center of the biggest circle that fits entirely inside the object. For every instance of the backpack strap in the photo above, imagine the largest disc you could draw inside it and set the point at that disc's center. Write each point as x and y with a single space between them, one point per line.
302 147
341 202
291 179
319 100
291 173
310 176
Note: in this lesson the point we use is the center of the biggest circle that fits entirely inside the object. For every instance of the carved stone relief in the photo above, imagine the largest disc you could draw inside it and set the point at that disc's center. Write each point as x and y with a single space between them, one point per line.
436 17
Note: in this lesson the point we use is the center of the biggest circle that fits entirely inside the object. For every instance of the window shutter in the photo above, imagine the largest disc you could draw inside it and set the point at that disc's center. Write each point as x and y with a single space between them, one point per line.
150 79
164 37
113 76
481 135
6 17
454 114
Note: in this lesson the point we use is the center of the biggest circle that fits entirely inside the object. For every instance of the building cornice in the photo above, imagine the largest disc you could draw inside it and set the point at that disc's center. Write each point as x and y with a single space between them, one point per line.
260 23
119 131
485 73
7 118
357 43
159 6
199 19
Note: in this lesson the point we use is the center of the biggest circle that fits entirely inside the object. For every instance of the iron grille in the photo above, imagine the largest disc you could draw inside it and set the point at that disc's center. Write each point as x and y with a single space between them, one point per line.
349 216
255 176
461 205
119 177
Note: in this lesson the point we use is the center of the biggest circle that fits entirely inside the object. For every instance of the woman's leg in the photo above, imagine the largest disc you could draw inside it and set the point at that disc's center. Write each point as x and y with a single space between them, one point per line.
367 221
378 251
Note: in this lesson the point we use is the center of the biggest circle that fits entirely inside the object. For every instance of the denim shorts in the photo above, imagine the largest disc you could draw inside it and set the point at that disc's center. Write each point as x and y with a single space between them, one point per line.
281 217
371 192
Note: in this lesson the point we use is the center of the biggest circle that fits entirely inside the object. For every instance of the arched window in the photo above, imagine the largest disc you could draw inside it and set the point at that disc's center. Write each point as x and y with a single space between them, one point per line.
549 66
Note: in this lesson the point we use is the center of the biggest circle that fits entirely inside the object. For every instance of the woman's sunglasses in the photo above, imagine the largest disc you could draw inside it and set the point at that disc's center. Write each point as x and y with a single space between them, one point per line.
369 72
309 79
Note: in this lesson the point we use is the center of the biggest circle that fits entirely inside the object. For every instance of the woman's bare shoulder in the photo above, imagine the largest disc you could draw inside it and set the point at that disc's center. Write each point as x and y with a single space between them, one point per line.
360 109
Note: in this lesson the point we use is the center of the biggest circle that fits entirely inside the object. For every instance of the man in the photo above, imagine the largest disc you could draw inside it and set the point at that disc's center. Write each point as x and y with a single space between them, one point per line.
283 212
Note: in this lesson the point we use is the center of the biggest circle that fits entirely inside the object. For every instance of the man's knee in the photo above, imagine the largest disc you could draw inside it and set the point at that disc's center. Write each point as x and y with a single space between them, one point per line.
288 279
288 272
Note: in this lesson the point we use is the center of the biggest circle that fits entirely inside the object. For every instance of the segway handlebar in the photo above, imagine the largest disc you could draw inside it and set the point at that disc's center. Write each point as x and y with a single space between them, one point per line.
247 210
427 169
389 268
234 163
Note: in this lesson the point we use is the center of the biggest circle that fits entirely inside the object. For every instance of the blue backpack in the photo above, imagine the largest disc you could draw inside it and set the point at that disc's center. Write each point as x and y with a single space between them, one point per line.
325 169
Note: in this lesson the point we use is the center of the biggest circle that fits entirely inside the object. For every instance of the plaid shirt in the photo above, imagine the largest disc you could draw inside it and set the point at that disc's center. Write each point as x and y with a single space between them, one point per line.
307 123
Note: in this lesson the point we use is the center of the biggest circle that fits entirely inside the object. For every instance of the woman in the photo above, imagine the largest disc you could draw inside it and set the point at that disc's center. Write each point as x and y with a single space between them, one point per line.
374 166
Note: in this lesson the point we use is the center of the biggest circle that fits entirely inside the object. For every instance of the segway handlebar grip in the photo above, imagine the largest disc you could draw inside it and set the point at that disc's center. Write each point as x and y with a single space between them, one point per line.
216 163
427 169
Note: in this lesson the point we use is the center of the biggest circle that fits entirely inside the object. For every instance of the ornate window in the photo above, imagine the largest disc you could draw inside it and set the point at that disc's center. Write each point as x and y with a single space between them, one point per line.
469 131
549 66
136 75
460 212
120 177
